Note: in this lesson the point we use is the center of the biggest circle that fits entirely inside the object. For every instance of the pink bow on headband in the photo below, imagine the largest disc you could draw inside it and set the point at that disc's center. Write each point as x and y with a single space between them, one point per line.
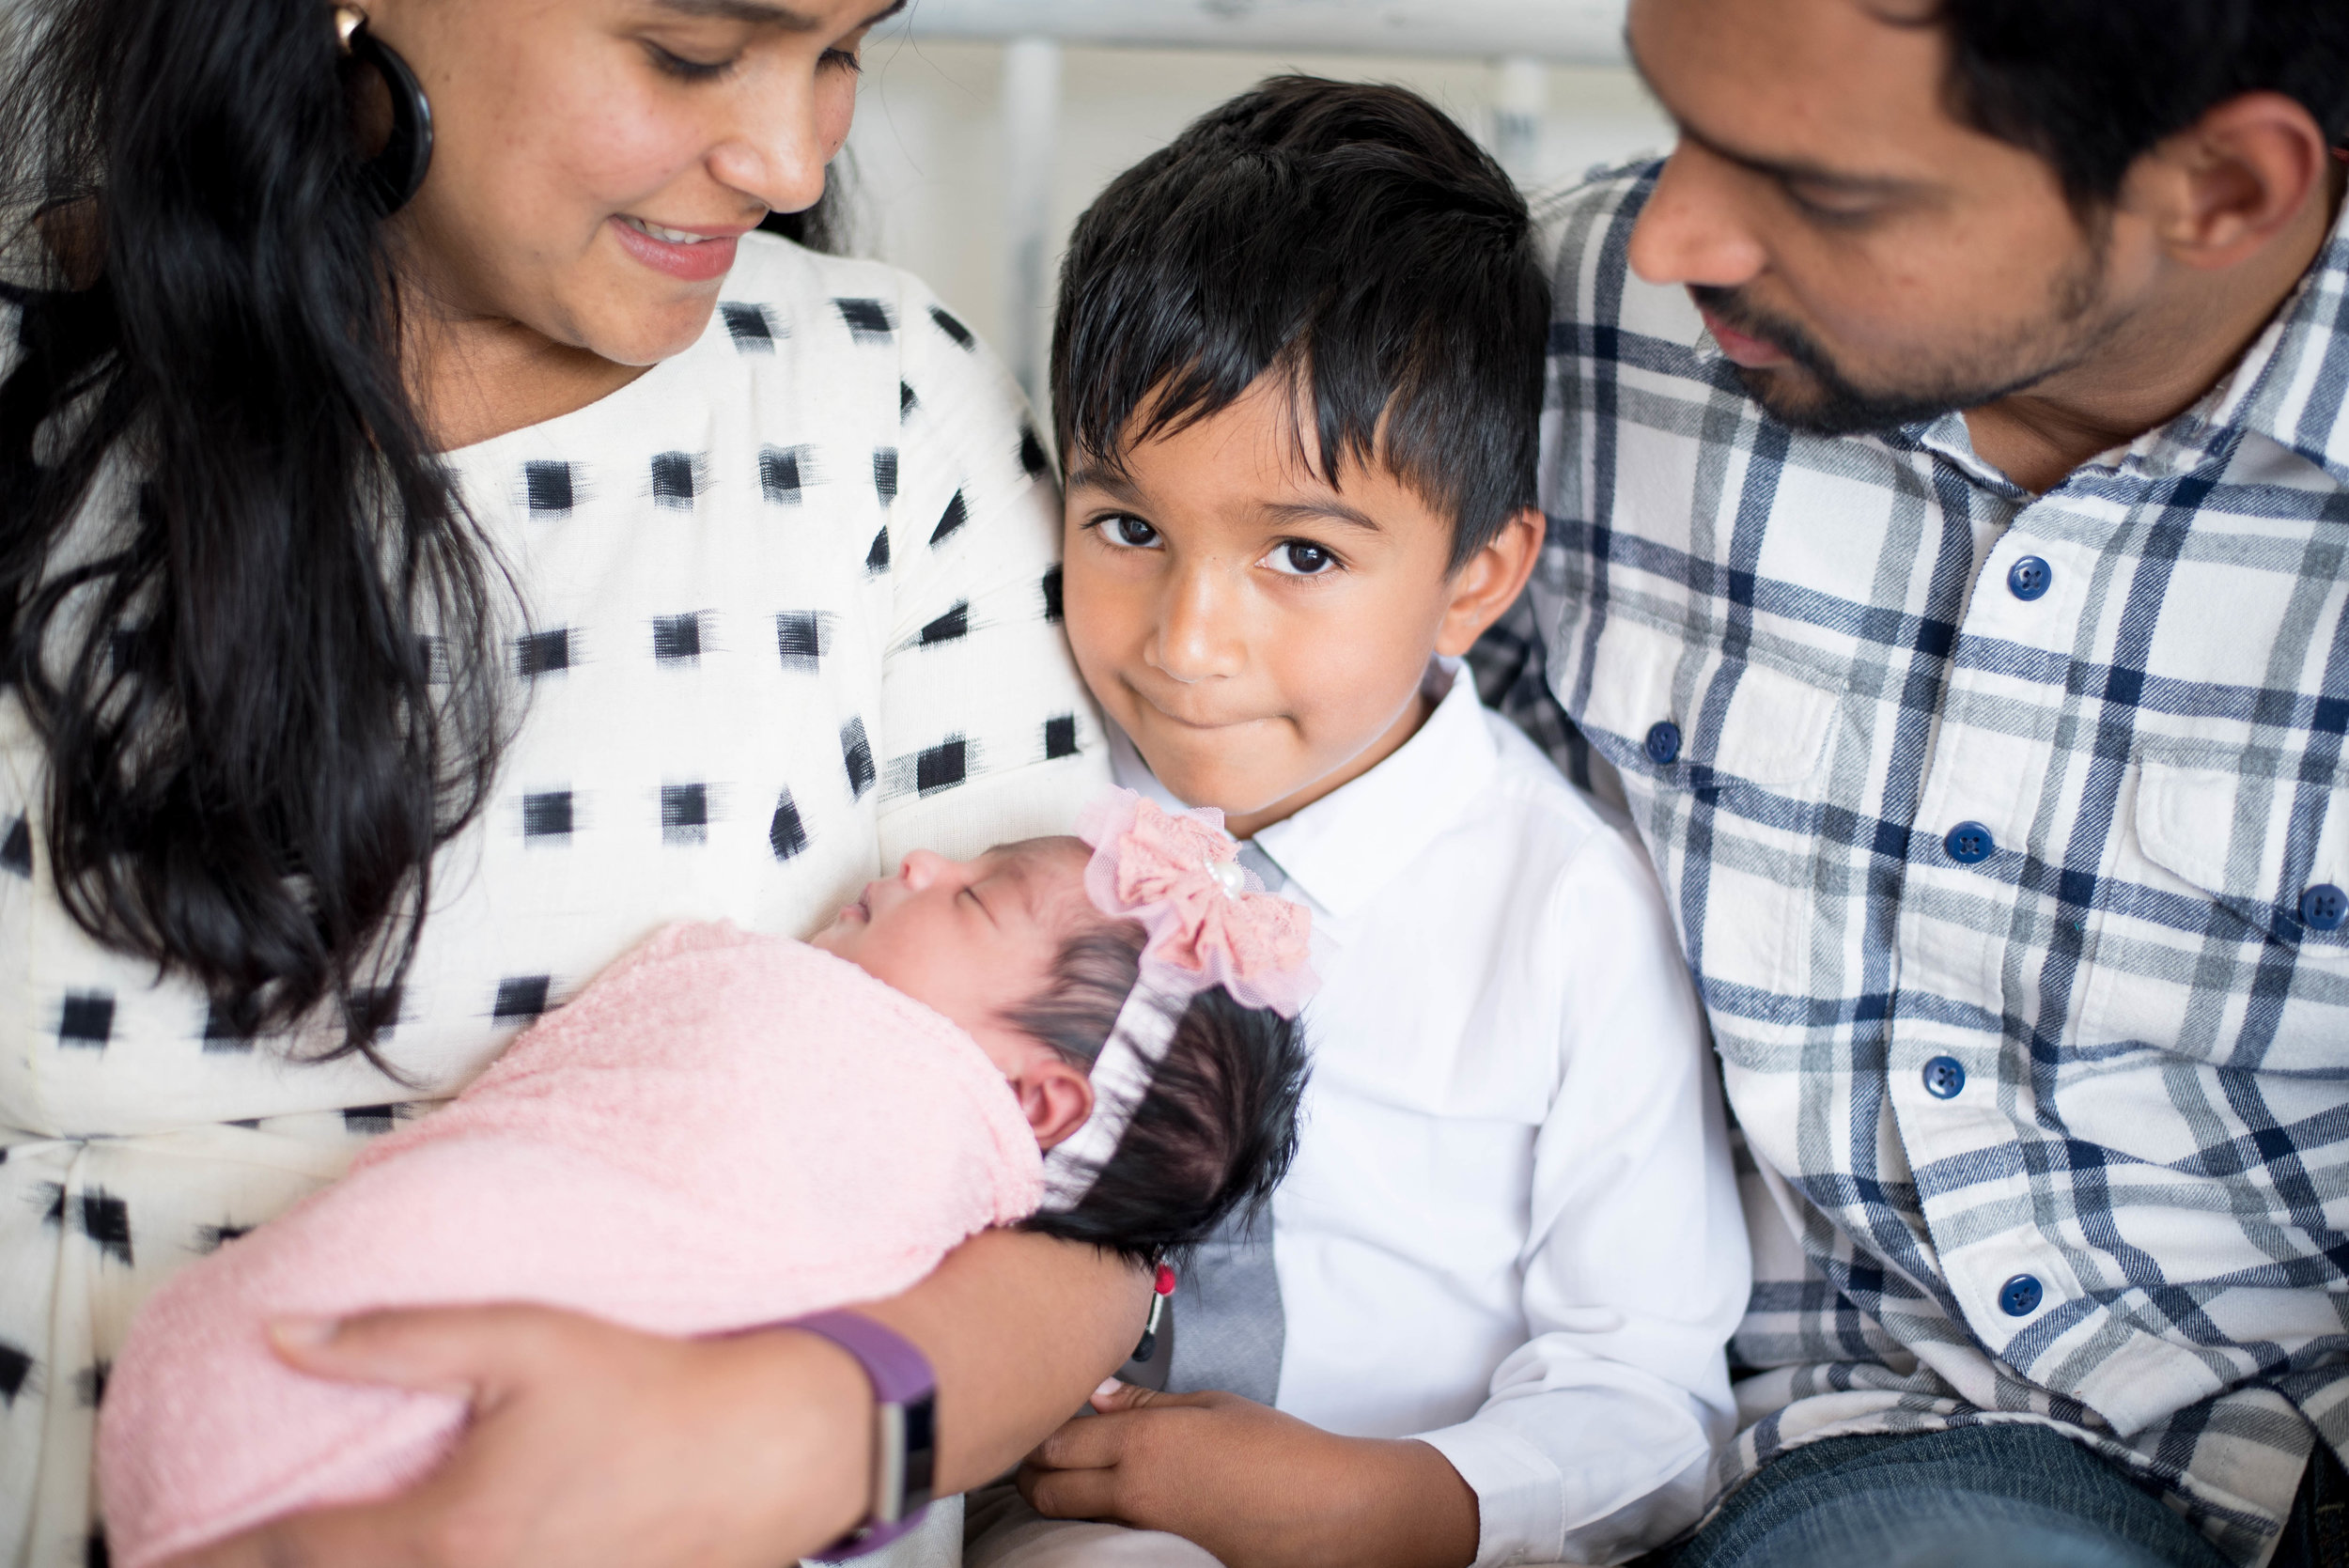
1210 923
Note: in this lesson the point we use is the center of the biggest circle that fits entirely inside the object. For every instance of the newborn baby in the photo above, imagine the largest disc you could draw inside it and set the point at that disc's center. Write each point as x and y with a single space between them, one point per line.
726 1130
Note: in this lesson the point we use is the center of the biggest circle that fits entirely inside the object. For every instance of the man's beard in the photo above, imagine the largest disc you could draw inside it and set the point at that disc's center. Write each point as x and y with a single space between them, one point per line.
1835 405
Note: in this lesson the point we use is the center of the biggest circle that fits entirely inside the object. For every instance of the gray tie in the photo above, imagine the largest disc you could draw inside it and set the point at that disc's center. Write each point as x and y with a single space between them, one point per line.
1228 1301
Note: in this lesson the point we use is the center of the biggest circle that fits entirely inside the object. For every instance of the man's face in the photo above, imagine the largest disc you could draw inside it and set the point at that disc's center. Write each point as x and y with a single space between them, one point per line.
1863 257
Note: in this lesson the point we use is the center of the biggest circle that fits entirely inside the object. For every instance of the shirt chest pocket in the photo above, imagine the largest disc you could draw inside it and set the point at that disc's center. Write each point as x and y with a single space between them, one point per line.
1726 765
2222 930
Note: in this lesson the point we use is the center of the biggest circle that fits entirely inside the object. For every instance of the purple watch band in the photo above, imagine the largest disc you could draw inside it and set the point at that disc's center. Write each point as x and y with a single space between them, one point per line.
905 1413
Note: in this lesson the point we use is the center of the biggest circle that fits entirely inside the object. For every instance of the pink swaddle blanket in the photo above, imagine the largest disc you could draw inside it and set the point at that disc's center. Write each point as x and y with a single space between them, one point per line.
721 1131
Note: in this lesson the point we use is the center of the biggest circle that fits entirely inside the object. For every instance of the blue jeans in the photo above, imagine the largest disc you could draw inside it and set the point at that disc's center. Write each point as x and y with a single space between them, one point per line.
1973 1497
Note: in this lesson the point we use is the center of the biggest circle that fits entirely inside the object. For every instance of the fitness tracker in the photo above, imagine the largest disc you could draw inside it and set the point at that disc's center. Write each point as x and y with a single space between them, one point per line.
904 1411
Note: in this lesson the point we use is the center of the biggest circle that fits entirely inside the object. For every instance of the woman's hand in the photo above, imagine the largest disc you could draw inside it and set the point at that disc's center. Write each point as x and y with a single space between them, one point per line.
591 1445
1256 1488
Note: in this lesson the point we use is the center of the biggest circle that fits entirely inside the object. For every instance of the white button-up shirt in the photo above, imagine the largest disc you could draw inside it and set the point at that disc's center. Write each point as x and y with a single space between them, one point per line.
1511 1228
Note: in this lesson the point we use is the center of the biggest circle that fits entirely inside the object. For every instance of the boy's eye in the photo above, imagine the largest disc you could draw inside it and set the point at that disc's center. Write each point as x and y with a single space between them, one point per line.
843 60
1129 532
1298 558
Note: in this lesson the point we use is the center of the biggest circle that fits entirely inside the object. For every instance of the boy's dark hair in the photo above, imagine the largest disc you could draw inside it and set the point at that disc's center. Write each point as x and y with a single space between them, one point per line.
1350 238
1217 1127
2090 85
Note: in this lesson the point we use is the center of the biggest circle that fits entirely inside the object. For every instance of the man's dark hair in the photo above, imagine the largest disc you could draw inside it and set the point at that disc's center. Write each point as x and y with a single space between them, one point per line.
2090 85
1350 238
1218 1128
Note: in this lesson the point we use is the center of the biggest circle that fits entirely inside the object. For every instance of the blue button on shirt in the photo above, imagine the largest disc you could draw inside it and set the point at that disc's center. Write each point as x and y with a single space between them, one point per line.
2029 577
1945 1078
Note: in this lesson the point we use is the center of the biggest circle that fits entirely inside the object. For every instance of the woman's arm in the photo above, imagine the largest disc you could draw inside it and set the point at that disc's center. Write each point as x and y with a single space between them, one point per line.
593 1445
1020 1329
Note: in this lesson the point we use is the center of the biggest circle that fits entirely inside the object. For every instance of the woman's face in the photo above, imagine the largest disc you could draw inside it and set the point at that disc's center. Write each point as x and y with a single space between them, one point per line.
594 161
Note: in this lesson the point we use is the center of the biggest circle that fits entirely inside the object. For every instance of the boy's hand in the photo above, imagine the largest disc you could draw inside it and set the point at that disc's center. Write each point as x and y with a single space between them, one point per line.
1255 1487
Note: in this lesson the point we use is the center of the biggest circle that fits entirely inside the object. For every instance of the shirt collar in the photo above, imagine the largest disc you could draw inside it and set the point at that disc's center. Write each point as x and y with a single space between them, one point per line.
2288 386
1339 851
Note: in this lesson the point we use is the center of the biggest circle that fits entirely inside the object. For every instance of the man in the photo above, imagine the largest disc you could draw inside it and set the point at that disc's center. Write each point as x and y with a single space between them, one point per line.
1948 477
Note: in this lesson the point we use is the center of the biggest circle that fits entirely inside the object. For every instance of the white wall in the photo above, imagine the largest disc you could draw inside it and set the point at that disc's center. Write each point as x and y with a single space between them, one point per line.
928 150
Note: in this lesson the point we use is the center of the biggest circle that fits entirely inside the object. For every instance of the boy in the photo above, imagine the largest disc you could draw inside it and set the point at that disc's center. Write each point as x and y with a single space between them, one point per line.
1296 374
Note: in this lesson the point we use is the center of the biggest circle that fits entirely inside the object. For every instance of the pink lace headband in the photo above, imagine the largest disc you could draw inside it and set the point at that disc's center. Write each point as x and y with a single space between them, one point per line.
1210 923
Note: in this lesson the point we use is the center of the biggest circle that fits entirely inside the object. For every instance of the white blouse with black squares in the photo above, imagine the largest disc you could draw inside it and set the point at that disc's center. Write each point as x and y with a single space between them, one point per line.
793 606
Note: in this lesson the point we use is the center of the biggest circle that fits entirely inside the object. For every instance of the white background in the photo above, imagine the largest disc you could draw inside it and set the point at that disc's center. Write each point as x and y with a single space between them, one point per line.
939 192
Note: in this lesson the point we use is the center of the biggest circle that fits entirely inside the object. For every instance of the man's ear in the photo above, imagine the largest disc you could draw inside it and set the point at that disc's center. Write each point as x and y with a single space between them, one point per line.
1489 581
1055 1098
2223 188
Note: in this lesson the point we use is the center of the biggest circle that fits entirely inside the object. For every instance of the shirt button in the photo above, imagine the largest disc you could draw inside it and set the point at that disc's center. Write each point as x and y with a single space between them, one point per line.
2324 907
1944 1077
1969 842
2029 577
2020 1297
1662 744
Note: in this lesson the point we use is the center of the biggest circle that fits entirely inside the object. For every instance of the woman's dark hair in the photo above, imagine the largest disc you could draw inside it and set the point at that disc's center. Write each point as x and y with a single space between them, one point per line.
254 626
1350 237
1217 1127
2092 86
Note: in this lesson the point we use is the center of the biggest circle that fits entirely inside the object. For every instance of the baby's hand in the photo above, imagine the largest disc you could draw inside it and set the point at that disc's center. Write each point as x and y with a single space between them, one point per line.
1256 1488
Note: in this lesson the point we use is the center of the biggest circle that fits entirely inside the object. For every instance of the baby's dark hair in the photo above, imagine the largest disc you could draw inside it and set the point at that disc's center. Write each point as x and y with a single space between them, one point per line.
1217 1127
1350 237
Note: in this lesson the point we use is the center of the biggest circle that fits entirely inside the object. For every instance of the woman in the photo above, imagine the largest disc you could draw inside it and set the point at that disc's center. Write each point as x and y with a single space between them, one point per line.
320 775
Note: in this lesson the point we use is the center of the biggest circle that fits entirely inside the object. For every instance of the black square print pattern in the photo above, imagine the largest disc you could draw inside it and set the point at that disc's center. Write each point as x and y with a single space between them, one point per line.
786 835
942 766
1060 736
952 627
751 327
950 522
857 753
676 478
105 1219
548 816
799 639
230 1025
16 1369
885 475
785 473
868 320
676 639
1051 594
373 1009
876 563
543 653
86 1020
89 1384
907 401
521 998
935 768
1032 457
16 849
552 488
685 814
370 1121
211 1238
952 328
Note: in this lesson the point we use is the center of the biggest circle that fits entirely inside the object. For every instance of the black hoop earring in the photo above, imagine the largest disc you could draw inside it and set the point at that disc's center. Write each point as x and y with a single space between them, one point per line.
396 173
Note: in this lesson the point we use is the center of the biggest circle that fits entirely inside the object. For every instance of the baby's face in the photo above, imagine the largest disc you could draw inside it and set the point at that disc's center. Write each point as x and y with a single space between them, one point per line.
972 939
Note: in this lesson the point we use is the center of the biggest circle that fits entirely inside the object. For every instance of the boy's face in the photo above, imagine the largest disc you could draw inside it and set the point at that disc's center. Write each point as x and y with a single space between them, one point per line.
1259 633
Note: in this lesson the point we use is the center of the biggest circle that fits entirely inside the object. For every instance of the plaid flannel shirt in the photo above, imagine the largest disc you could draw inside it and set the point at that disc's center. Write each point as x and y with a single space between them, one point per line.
2004 834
